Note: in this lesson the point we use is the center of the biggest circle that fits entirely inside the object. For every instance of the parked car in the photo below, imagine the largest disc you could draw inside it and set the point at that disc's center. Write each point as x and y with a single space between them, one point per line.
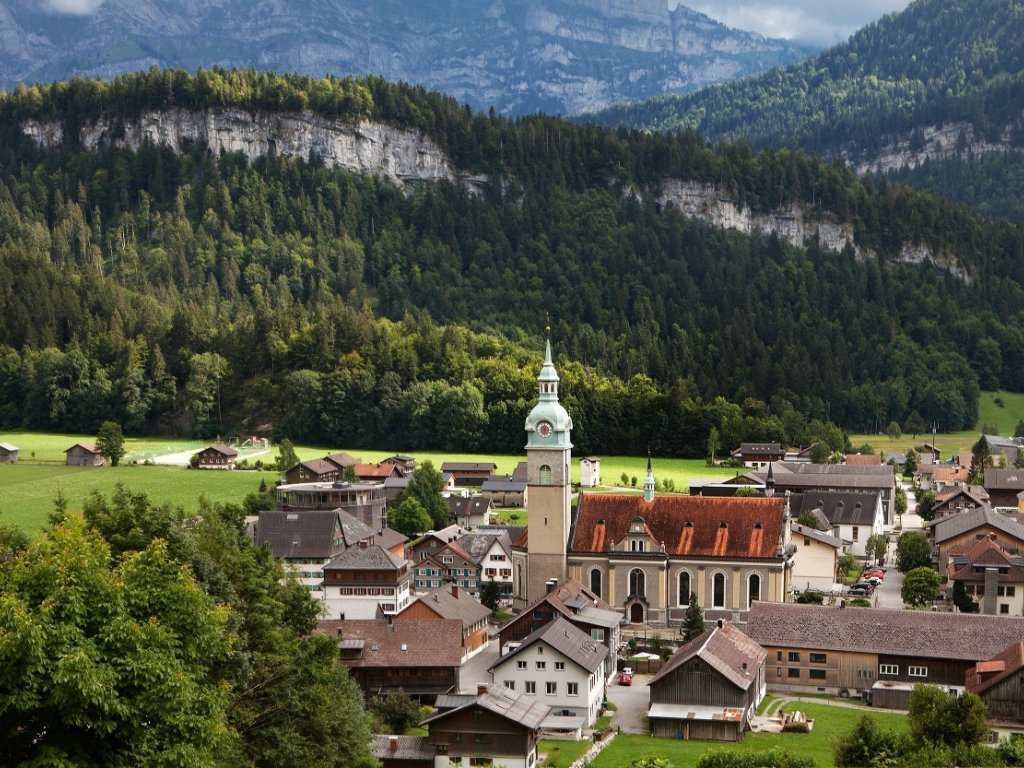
869 586
873 572
858 592
626 676
874 580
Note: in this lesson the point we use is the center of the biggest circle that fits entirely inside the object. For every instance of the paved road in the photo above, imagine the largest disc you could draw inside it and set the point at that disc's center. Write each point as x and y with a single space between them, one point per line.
631 703
475 672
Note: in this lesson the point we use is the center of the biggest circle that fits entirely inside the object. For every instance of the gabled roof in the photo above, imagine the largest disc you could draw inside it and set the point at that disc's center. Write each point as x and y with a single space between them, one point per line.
759 449
409 643
468 466
402 748
226 450
863 460
985 553
985 674
10 447
308 534
520 472
341 459
503 484
573 643
998 441
568 592
460 506
397 481
951 526
1011 479
443 535
838 507
477 545
813 533
90 447
700 526
975 493
724 648
955 636
318 466
793 474
442 602
389 537
372 557
375 470
528 711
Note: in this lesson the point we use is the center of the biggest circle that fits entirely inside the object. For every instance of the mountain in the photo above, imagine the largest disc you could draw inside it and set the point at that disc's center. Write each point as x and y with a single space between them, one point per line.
519 56
354 262
933 95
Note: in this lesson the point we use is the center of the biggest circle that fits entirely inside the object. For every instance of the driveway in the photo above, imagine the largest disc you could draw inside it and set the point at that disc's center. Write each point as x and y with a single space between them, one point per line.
631 702
887 595
474 670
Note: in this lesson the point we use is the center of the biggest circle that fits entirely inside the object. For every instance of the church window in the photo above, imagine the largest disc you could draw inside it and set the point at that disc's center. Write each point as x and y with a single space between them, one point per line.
595 581
684 588
753 589
718 590
637 583
545 474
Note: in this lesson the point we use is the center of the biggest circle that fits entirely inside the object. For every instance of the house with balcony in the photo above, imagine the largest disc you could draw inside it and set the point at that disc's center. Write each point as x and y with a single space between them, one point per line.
365 582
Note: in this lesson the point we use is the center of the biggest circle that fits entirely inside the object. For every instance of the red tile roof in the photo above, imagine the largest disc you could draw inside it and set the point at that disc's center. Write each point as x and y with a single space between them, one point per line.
374 470
700 526
407 643
863 460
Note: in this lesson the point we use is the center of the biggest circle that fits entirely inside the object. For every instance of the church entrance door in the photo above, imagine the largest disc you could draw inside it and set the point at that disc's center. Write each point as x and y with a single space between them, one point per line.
636 613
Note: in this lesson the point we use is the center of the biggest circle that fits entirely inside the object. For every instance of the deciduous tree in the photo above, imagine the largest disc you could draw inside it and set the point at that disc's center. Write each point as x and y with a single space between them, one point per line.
913 551
920 586
110 442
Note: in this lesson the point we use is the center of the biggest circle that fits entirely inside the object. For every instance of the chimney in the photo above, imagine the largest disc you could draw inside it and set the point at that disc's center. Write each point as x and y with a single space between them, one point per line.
719 623
393 743
481 689
455 590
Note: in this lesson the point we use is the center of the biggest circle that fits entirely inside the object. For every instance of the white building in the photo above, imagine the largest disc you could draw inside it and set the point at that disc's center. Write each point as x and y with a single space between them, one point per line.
561 666
365 580
590 471
814 562
853 516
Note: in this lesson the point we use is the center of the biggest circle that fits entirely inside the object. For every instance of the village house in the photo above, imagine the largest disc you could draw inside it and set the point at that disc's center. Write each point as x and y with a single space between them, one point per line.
498 727
432 541
851 516
450 564
955 535
1005 487
492 553
470 511
364 582
758 455
216 456
560 665
342 460
394 487
992 577
505 490
8 453
406 463
841 478
422 658
469 473
710 688
576 604
312 471
999 681
308 541
849 651
364 501
377 473
960 499
452 603
84 455
816 558
1004 449
941 477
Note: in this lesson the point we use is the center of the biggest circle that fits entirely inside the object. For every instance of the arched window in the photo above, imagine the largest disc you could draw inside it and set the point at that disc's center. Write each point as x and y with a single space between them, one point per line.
718 590
684 588
595 581
637 583
545 474
753 589
636 546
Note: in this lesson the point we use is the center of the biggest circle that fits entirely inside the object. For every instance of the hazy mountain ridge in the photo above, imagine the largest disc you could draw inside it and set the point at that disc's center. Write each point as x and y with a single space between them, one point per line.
561 56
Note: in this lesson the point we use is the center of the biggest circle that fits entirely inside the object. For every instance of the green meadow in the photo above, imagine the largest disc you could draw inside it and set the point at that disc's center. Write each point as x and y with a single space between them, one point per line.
829 723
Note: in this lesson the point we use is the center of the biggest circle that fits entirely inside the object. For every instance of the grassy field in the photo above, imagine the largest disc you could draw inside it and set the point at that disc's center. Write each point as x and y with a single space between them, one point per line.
1005 413
27 490
49 447
829 724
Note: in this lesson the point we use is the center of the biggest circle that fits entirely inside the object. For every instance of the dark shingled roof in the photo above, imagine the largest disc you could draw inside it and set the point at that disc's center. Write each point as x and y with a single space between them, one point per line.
319 466
726 649
468 466
371 558
406 748
569 591
306 534
477 545
1004 479
409 643
573 643
700 526
955 636
341 460
951 526
838 507
441 601
525 710
459 506
389 538
222 449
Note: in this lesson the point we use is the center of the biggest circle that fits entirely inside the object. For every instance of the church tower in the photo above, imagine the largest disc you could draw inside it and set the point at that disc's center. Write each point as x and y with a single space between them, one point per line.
548 479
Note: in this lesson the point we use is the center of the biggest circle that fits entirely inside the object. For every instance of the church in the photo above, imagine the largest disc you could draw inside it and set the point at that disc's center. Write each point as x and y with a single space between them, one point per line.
644 555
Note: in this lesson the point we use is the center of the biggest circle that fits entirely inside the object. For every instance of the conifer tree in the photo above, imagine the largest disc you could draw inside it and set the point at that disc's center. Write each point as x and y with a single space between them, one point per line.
693 623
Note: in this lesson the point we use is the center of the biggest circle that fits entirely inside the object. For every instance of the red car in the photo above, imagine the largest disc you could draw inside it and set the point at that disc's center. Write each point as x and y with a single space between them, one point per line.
626 676
872 573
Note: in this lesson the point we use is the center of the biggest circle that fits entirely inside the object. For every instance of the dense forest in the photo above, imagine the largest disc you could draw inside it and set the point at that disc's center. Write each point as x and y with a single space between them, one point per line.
181 291
938 62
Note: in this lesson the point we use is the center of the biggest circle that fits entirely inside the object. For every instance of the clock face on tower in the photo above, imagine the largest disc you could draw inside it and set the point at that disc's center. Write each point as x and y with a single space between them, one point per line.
544 429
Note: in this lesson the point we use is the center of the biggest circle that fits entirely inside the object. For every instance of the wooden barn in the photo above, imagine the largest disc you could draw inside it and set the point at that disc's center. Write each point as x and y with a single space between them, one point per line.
8 453
710 688
84 455
217 457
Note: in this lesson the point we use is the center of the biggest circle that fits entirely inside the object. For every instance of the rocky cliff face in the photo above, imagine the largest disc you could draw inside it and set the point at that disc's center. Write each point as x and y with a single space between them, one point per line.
943 142
408 158
560 56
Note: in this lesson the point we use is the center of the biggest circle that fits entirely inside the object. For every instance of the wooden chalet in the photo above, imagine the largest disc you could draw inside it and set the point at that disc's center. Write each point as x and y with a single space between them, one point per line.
954 535
452 603
757 455
470 511
84 455
422 658
216 456
342 460
999 682
1004 486
313 471
471 473
959 499
992 577
710 688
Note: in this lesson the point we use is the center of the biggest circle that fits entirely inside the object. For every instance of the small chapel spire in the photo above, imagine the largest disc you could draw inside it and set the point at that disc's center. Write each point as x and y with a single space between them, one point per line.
769 483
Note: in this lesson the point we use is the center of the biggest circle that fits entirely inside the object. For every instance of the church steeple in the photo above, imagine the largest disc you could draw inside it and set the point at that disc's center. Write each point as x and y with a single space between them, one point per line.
649 481
769 483
548 424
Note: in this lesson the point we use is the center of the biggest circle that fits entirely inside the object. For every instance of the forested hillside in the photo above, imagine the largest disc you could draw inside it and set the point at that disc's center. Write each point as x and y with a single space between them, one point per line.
876 99
174 289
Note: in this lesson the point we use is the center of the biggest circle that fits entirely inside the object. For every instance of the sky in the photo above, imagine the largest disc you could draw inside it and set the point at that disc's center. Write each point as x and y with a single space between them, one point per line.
821 22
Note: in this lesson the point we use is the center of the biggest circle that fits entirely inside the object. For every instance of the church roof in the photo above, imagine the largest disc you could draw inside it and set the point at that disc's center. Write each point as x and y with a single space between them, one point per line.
701 526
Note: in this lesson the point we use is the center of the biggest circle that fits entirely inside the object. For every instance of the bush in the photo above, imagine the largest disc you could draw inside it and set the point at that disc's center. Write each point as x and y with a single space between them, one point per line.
860 602
773 758
812 598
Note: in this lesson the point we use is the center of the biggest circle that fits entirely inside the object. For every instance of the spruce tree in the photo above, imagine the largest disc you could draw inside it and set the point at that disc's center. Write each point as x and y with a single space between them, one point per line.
693 623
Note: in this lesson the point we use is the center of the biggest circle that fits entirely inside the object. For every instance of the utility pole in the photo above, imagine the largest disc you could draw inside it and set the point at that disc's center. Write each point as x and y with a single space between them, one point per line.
935 428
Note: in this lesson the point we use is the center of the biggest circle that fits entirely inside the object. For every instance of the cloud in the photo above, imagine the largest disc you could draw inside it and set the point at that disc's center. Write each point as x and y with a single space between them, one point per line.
72 7
823 22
